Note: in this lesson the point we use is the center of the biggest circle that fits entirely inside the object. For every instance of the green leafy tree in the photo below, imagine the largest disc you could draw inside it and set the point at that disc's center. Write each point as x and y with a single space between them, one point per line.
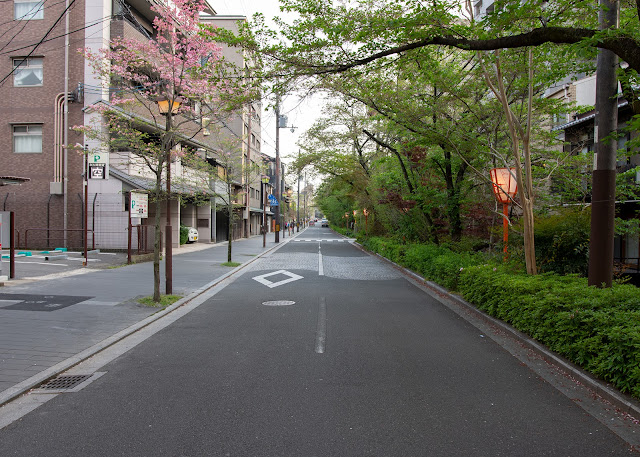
225 175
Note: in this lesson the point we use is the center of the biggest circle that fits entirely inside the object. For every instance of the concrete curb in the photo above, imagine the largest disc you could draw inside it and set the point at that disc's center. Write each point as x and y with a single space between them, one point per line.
620 401
17 390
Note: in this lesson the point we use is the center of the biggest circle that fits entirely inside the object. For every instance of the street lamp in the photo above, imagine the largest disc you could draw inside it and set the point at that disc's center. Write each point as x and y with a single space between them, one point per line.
298 206
505 188
281 122
163 107
265 181
365 211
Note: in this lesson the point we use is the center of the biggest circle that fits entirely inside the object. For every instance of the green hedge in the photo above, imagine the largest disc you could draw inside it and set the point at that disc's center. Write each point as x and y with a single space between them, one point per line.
184 234
598 329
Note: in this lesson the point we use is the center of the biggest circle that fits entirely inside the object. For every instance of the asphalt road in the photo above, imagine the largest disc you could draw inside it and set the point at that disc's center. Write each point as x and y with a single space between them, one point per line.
317 350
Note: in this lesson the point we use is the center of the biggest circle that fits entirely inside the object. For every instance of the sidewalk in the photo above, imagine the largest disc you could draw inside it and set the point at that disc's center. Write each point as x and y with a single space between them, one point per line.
49 324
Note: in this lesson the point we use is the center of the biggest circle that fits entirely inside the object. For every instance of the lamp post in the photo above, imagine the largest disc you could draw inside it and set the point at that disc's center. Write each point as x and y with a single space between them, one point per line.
505 188
265 181
365 211
298 206
355 212
163 107
281 122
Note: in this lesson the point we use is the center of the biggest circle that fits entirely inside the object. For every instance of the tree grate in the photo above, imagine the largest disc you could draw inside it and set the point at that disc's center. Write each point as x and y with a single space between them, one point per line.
65 382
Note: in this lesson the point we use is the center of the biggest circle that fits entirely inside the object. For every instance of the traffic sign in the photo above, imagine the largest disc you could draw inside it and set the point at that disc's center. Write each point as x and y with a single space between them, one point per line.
98 165
139 204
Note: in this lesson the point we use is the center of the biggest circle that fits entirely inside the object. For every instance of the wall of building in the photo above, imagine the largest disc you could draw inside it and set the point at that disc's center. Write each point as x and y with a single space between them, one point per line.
34 205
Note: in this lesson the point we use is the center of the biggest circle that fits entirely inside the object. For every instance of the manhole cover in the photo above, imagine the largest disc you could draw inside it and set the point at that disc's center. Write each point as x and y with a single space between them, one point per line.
279 303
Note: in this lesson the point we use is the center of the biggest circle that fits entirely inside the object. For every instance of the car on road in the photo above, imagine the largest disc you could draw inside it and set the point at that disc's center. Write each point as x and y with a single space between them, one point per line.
193 235
324 223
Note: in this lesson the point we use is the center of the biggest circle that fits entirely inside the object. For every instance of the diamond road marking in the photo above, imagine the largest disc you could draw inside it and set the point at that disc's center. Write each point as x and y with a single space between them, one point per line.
262 279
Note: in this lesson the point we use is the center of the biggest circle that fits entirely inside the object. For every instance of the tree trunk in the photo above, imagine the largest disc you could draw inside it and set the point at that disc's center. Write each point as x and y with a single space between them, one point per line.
524 179
156 241
230 209
529 247
453 213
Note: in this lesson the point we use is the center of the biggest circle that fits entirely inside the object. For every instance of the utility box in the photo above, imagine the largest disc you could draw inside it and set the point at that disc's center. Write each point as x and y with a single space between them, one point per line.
5 229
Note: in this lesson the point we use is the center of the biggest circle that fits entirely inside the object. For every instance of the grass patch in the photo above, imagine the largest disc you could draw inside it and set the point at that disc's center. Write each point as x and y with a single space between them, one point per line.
231 264
165 300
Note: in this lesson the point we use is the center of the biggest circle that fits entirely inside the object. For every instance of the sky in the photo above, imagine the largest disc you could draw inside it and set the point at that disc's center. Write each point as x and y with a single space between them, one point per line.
301 113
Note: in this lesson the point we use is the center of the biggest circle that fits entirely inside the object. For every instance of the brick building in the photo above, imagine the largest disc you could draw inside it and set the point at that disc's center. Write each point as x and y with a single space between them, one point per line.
48 88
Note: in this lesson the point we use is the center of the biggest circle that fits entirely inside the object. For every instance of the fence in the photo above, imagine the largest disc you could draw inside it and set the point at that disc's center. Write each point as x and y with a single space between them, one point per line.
107 227
48 238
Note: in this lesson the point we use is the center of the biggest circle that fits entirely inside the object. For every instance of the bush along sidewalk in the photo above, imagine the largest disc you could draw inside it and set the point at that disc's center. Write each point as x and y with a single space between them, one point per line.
597 329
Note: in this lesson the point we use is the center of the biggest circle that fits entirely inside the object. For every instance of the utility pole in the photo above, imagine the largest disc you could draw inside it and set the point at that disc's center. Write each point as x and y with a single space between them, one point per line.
298 205
247 210
281 122
278 169
604 171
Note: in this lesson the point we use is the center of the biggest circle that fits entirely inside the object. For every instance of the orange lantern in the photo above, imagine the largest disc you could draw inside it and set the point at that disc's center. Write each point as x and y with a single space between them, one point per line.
365 211
505 187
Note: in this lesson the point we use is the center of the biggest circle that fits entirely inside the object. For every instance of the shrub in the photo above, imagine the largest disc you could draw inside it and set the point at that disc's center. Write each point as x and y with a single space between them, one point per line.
562 242
184 234
598 329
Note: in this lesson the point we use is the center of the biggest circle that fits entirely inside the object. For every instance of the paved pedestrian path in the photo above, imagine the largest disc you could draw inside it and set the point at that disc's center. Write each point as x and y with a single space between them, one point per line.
49 323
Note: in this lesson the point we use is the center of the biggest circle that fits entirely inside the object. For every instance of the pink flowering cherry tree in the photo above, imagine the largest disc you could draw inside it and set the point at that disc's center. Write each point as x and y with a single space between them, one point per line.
181 65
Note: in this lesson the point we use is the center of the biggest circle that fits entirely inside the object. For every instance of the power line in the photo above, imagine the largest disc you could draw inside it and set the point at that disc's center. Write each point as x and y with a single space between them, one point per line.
24 24
13 21
107 18
15 67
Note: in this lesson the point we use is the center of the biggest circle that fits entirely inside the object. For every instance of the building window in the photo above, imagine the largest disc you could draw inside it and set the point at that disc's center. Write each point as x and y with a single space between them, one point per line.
557 119
477 9
27 138
27 71
28 10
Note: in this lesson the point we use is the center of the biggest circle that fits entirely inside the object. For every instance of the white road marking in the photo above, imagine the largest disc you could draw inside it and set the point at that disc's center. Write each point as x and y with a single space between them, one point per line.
279 303
262 279
321 333
45 263
320 266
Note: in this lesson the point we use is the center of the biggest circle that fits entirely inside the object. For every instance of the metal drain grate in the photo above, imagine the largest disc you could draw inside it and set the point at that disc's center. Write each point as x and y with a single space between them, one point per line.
65 382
